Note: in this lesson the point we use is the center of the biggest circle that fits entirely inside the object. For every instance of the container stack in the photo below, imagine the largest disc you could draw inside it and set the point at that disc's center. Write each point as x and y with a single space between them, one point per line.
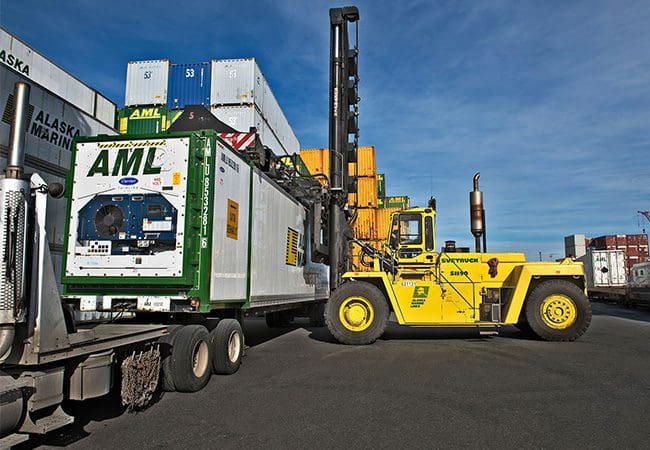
370 204
235 91
61 107
634 247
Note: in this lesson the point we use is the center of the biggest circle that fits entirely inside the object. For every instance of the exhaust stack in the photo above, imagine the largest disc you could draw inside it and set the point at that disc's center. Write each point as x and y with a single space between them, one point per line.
477 214
14 196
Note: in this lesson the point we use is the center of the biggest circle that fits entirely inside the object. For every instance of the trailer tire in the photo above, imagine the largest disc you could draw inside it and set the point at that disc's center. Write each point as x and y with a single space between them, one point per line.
226 346
558 310
357 313
166 346
190 364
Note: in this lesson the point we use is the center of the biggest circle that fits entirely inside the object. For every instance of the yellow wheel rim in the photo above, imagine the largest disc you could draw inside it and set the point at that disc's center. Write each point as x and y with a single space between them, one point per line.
558 311
356 313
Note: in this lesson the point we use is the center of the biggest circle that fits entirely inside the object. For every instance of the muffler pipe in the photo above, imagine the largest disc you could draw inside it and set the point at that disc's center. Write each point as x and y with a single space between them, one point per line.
14 191
16 151
477 213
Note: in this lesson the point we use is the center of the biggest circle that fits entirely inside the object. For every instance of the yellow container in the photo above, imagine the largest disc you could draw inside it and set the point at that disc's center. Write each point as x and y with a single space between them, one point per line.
366 195
364 226
317 161
382 219
365 165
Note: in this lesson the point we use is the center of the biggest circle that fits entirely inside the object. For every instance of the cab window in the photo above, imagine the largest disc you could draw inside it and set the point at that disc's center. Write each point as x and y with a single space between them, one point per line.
410 229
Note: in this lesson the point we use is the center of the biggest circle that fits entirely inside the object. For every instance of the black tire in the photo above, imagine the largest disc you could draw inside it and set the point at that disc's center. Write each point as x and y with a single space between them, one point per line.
317 315
166 345
370 308
573 314
190 364
226 346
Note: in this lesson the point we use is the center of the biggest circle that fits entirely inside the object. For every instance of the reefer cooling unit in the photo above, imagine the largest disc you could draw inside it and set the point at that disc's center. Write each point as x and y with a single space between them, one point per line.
181 222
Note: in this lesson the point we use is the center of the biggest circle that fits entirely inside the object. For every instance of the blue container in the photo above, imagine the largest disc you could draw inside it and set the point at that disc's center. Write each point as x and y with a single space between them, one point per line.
189 84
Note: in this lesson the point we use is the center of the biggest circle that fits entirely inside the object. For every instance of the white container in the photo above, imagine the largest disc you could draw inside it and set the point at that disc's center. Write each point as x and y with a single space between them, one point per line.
641 274
52 126
604 267
29 63
280 267
241 82
241 118
146 82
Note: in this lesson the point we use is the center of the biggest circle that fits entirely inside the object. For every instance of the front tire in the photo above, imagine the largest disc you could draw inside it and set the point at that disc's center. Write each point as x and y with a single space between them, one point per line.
356 313
558 310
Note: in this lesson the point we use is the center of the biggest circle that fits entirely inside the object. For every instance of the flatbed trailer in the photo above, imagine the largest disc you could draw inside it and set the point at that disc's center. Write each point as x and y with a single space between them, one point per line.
625 295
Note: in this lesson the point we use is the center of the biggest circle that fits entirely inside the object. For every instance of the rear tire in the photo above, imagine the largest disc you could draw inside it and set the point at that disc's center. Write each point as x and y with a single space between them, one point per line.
356 313
166 345
558 310
190 364
226 346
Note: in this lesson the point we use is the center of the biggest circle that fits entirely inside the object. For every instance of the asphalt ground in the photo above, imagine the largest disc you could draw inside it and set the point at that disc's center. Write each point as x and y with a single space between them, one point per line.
414 388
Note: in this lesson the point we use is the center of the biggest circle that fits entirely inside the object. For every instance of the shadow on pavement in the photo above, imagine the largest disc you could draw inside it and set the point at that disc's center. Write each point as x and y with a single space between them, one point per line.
401 332
94 410
614 310
257 332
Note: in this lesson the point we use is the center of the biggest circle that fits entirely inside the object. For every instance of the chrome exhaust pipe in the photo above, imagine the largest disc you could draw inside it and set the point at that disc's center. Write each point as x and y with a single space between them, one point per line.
477 213
14 197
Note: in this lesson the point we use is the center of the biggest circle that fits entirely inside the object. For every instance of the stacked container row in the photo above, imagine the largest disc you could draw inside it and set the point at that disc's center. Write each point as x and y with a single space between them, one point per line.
233 89
634 246
30 64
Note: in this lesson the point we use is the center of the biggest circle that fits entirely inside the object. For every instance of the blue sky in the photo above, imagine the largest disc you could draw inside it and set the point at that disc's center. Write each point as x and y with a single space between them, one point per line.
550 100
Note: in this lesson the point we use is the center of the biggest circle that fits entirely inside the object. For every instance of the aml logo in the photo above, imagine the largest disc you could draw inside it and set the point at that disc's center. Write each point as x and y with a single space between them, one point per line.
127 162
420 294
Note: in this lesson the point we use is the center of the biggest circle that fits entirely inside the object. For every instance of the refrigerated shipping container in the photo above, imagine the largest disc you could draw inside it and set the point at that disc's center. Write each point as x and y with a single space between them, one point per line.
241 82
382 218
317 161
397 201
366 195
220 231
604 267
146 119
189 84
365 165
364 226
30 64
52 125
243 117
146 83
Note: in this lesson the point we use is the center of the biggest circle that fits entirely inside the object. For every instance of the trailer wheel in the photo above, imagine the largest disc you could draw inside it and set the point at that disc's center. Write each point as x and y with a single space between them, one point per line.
356 313
558 310
166 345
190 359
226 346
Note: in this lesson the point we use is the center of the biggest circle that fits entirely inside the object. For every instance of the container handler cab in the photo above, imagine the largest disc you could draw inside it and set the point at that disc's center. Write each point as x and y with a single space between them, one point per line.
486 290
